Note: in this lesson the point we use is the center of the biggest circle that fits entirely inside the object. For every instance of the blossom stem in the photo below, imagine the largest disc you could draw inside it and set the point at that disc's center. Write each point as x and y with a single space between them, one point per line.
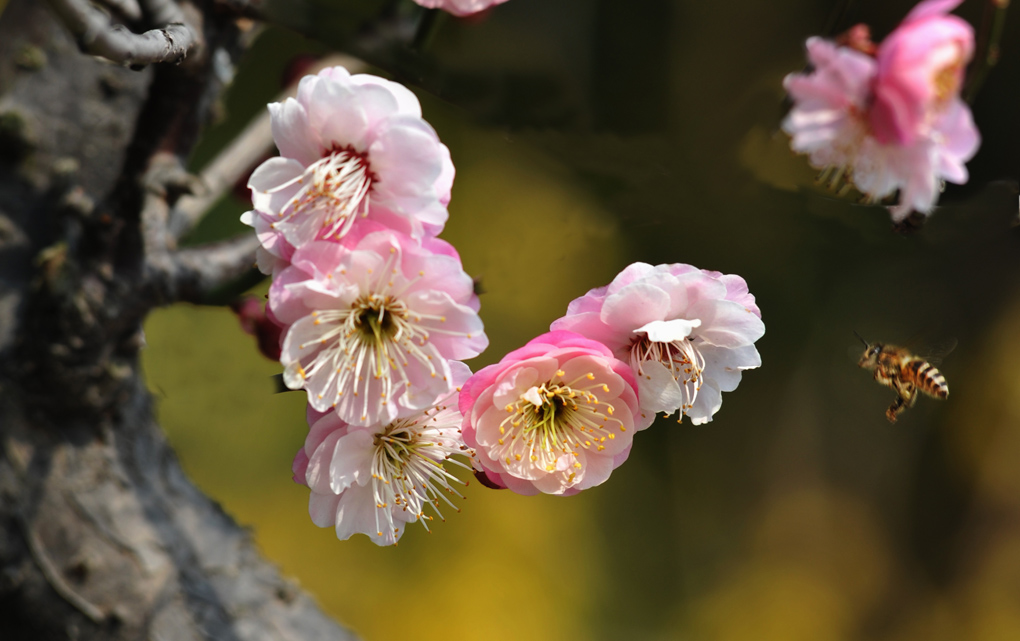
988 49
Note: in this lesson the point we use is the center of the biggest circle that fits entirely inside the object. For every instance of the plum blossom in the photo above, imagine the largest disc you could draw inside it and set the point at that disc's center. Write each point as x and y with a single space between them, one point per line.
920 71
350 146
893 121
374 322
459 7
555 416
687 333
374 480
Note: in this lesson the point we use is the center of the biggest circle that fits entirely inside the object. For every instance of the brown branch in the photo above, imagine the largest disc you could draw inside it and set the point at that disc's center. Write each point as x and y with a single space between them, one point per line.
127 8
96 35
206 275
159 12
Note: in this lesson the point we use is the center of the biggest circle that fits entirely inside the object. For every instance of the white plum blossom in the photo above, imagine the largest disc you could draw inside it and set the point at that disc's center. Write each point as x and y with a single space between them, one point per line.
687 333
350 146
373 480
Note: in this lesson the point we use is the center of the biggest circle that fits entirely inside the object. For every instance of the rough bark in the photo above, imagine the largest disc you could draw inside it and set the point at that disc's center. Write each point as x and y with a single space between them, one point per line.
101 534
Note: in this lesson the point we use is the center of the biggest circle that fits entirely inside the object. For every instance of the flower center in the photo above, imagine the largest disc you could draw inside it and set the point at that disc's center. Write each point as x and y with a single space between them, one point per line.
378 317
946 82
556 420
372 341
408 470
680 357
334 192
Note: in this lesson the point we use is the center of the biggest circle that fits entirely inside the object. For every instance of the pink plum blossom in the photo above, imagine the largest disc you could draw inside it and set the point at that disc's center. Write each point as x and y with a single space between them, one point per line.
460 7
920 72
555 416
350 146
831 122
373 323
375 479
688 334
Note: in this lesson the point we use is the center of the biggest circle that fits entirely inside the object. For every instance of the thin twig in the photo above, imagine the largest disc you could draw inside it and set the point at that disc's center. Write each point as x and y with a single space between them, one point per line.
238 159
52 575
988 47
96 35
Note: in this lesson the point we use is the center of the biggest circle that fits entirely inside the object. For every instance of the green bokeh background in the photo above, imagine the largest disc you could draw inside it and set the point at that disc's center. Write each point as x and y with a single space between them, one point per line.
590 134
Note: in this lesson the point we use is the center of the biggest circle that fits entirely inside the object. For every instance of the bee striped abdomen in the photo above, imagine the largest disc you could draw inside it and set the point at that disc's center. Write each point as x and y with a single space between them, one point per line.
928 378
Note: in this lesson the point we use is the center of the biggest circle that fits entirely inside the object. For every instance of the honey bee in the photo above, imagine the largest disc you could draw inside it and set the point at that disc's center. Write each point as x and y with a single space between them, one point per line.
907 374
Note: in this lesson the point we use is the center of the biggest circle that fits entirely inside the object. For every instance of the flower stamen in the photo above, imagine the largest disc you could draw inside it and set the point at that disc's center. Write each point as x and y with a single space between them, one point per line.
553 420
408 467
335 191
680 357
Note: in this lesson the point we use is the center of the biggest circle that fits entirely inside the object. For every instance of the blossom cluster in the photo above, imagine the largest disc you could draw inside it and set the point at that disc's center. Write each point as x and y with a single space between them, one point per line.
559 414
371 315
375 313
888 118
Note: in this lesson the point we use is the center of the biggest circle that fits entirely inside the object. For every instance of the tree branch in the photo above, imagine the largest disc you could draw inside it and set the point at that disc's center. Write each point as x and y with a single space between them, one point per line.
210 274
96 35
127 8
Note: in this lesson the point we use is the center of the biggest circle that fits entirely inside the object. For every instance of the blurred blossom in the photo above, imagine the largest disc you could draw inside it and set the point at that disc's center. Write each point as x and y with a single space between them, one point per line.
920 72
555 416
350 146
374 480
893 122
374 322
460 7
688 334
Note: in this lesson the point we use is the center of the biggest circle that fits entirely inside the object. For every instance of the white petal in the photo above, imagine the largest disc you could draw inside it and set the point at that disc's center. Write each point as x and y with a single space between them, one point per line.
658 391
706 405
723 365
355 512
668 331
322 508
533 397
352 460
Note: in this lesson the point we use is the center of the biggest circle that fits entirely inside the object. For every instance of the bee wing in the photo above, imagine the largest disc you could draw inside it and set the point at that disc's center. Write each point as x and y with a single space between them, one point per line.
938 351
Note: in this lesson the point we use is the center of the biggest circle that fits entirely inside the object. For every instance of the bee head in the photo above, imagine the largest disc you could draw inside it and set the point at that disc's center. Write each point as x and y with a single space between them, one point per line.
869 360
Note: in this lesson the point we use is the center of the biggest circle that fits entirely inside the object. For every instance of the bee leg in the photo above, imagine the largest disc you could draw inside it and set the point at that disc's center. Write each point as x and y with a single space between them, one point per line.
897 406
882 379
906 398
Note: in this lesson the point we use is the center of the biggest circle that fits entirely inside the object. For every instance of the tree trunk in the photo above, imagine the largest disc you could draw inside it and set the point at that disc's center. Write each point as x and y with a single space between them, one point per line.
101 534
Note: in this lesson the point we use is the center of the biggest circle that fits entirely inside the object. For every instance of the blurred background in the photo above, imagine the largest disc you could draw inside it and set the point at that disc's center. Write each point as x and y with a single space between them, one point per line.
588 134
